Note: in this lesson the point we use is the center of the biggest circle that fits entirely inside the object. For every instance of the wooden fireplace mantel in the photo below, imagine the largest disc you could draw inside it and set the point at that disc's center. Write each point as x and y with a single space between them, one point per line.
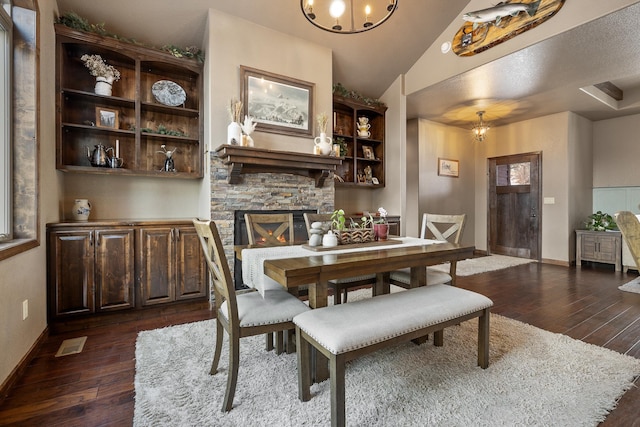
259 160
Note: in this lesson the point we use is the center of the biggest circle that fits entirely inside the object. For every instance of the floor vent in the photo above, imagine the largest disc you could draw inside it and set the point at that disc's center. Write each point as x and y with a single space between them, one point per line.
71 346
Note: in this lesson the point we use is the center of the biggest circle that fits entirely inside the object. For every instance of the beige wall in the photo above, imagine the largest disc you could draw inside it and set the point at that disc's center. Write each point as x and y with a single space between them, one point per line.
443 194
616 150
23 277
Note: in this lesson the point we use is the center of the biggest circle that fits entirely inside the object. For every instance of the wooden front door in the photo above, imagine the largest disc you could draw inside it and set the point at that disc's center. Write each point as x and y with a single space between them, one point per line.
514 205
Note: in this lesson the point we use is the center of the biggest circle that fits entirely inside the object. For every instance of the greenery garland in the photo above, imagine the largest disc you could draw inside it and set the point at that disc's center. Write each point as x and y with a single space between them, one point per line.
76 22
340 90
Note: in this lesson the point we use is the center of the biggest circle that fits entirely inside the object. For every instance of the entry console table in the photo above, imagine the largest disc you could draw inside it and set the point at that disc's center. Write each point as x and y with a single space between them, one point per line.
599 246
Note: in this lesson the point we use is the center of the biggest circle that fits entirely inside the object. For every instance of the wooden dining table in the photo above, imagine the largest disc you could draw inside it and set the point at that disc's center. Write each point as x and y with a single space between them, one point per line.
317 268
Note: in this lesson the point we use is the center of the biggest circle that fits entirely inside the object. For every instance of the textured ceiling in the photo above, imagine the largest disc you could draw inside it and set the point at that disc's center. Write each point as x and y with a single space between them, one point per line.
543 79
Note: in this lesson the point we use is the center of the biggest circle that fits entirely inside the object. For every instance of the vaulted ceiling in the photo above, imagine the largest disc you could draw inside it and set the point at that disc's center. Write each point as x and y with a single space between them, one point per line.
539 80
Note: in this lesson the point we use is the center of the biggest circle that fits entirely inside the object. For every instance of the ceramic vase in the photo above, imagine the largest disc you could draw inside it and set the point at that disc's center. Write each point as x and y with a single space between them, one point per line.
381 231
103 86
234 134
81 210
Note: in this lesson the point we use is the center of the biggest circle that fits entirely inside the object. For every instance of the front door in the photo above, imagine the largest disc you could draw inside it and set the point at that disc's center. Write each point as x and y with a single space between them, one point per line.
514 205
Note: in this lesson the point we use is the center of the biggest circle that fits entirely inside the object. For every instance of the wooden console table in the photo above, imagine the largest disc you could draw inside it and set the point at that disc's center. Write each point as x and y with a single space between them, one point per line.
599 246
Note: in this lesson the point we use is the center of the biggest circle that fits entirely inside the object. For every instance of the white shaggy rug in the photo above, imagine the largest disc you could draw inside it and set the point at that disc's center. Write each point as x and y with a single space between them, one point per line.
535 378
632 286
469 267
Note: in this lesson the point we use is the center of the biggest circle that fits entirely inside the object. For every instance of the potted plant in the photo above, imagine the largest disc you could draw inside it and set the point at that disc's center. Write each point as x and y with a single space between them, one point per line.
381 227
104 73
357 232
600 221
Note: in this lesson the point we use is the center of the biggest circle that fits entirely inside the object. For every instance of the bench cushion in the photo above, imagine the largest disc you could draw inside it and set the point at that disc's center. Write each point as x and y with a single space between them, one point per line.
347 327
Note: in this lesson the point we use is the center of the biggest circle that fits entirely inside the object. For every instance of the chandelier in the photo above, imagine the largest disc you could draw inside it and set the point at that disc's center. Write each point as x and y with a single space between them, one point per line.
343 17
480 128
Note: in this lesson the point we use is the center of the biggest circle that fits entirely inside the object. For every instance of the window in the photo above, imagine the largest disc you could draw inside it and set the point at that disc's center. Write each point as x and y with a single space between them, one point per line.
513 174
5 124
19 192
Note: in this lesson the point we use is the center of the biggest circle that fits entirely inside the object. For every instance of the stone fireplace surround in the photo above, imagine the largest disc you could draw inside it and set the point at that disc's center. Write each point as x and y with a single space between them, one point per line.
261 191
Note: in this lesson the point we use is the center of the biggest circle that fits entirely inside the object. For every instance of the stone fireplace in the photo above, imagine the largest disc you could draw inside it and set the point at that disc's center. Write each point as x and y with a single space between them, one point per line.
261 191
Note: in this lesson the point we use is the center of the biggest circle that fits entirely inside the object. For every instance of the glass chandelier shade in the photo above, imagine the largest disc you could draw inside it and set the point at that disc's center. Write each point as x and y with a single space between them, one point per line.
348 16
480 128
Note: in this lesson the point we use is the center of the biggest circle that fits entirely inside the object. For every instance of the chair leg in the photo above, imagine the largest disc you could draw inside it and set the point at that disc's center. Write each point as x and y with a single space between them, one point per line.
291 341
218 349
279 342
232 376
269 341
337 295
304 367
346 292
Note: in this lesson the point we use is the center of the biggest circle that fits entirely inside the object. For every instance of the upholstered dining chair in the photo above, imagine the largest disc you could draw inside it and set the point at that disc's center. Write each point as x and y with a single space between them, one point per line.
243 314
629 226
447 228
340 286
271 229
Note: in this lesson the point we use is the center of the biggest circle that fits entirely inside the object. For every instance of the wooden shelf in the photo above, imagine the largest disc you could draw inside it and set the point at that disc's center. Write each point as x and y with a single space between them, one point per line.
136 107
242 160
346 112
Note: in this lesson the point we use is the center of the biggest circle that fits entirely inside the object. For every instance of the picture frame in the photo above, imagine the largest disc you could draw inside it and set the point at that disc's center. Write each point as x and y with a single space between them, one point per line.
107 118
448 167
367 152
277 103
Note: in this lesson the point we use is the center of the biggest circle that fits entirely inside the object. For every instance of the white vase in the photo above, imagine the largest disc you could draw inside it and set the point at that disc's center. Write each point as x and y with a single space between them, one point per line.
103 86
234 134
81 210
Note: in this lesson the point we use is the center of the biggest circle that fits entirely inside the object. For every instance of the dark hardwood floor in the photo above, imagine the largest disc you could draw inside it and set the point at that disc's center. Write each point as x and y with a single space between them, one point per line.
95 387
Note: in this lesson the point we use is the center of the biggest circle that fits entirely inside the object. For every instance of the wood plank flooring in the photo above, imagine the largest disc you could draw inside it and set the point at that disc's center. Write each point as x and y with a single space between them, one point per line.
95 387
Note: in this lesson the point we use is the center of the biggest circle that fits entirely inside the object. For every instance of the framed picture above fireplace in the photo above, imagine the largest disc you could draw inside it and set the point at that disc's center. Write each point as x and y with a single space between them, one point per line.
278 104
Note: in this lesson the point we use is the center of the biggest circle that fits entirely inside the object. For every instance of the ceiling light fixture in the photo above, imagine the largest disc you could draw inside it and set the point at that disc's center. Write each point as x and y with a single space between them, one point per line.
334 15
480 128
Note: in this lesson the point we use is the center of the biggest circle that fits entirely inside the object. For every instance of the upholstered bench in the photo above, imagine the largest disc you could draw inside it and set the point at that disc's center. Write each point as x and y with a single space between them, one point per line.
347 331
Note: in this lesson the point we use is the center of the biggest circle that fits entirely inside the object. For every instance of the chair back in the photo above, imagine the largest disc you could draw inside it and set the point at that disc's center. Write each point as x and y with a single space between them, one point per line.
629 225
270 229
443 227
310 218
223 287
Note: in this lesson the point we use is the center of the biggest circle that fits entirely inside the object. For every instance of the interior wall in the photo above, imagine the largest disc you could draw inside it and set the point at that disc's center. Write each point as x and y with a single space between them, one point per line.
444 194
615 152
549 135
23 277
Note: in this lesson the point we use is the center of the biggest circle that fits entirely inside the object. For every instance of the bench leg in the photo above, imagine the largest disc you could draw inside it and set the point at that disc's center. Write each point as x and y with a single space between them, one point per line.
304 366
438 338
483 339
336 377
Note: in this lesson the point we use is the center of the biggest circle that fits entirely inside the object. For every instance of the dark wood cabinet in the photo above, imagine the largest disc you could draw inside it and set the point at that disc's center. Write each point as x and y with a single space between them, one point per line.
106 266
142 124
172 266
91 270
362 152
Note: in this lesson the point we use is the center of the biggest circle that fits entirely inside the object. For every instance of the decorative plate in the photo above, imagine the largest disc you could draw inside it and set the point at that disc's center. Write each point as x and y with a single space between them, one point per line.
168 93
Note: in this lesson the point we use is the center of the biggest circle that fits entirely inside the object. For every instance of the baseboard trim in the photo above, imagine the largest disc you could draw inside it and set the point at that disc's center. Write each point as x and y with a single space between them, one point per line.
556 262
19 370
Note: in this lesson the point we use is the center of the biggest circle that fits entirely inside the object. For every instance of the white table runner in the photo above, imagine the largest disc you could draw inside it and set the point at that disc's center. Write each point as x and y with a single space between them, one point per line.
253 259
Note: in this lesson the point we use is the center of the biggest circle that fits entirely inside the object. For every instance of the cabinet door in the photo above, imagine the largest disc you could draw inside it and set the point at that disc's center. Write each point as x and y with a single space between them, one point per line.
114 269
190 265
71 282
607 248
589 244
156 265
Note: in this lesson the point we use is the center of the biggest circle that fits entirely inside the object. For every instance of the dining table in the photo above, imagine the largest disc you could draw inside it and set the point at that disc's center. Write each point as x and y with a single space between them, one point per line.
292 266
300 265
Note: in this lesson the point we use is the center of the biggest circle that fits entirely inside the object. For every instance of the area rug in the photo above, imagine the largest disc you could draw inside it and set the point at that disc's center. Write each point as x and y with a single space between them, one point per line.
632 286
469 267
535 378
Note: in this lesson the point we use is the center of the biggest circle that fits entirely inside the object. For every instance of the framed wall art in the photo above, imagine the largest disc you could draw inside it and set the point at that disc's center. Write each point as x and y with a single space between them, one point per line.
367 152
106 118
448 167
277 103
